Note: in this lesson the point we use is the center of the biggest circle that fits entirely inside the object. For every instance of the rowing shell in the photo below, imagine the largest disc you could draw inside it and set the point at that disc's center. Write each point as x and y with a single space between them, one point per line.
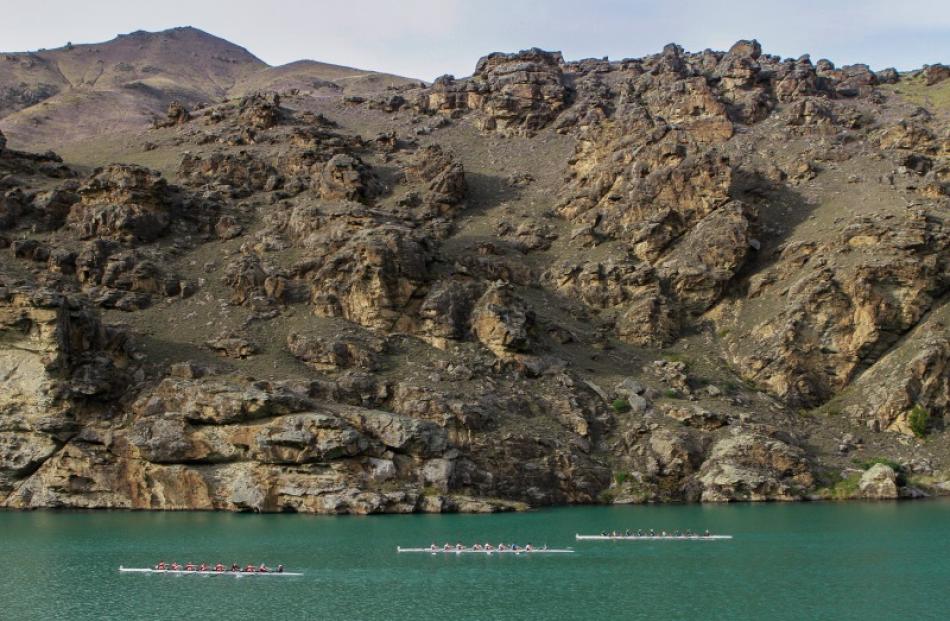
652 537
181 572
471 551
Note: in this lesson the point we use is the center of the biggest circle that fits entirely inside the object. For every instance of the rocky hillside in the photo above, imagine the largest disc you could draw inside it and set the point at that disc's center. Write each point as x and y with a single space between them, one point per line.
706 276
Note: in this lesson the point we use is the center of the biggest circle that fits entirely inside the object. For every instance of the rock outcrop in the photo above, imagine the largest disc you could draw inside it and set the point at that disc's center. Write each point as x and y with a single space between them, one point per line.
513 92
879 482
750 466
689 277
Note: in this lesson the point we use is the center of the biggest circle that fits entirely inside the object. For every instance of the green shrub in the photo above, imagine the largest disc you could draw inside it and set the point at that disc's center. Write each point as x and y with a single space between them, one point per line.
919 420
620 477
865 464
671 393
845 488
620 406
606 497
676 357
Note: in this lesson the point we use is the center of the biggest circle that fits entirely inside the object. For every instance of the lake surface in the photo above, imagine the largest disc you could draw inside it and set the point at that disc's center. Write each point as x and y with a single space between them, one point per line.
787 561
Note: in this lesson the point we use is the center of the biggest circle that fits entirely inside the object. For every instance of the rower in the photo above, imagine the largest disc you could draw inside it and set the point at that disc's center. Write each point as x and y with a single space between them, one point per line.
446 547
280 569
501 547
639 532
706 534
652 533
459 547
677 533
528 548
603 533
203 567
190 567
175 566
249 569
262 569
626 533
160 566
489 547
477 547
235 567
433 547
219 567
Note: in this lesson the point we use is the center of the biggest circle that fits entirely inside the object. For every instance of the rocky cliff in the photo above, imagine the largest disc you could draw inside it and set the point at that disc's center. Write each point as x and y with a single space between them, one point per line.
706 276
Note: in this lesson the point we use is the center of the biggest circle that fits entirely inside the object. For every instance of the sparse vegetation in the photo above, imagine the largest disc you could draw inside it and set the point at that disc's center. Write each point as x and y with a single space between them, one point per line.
676 357
620 406
620 477
671 393
919 420
866 464
842 489
916 90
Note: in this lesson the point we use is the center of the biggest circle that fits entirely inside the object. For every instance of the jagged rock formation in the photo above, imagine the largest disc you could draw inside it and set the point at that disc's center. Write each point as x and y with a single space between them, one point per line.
514 92
698 277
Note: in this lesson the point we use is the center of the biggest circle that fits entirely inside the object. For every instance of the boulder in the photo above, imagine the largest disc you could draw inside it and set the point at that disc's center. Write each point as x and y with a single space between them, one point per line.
629 388
399 433
503 322
260 110
232 345
346 177
879 482
176 114
123 202
21 454
695 416
519 92
341 351
371 276
751 466
442 176
936 73
241 172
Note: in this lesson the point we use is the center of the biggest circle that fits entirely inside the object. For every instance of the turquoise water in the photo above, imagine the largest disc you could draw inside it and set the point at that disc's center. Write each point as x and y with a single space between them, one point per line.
801 561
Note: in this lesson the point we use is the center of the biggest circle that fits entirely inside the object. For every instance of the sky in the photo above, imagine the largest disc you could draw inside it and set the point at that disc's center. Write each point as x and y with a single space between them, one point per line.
424 39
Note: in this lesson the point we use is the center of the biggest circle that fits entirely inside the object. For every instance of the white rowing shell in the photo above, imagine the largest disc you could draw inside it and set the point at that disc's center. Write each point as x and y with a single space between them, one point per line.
651 538
471 551
183 572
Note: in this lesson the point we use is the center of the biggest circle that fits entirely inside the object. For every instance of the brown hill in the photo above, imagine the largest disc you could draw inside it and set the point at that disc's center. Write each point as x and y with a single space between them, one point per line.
55 97
316 78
